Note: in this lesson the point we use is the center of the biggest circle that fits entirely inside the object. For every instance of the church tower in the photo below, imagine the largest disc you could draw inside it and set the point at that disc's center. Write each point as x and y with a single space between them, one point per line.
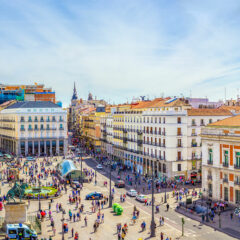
74 96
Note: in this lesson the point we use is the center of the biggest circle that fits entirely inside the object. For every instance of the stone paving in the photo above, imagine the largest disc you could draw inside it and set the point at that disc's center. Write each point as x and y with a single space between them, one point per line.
107 230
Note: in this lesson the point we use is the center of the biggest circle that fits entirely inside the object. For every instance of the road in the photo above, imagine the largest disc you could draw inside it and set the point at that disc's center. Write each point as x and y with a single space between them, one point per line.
193 229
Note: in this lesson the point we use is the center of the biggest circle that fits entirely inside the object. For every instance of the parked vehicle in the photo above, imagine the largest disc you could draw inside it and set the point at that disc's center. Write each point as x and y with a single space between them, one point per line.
94 196
30 159
132 193
141 198
120 184
14 231
99 166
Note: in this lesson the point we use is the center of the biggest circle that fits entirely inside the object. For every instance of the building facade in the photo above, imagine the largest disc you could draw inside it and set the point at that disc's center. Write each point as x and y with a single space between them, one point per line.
221 160
33 128
162 135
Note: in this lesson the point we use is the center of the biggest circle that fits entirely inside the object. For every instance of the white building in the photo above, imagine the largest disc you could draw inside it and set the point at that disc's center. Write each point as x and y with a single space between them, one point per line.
33 128
162 135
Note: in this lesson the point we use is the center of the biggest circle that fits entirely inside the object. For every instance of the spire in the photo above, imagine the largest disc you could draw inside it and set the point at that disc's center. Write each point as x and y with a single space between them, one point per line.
74 96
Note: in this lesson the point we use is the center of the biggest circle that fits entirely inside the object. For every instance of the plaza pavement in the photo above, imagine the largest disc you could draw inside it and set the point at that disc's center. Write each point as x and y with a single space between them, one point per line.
107 230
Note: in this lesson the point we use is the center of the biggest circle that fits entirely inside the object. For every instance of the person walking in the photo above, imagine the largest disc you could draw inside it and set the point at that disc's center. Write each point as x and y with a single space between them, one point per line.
85 220
72 232
167 207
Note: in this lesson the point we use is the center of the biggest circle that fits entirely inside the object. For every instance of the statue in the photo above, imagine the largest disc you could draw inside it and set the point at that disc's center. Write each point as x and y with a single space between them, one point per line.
16 191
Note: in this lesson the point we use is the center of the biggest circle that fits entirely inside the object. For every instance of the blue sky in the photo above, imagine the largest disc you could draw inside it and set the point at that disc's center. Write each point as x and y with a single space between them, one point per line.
118 49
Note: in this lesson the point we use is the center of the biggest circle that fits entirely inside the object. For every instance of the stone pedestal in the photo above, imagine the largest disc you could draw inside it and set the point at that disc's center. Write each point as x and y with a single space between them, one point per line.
15 213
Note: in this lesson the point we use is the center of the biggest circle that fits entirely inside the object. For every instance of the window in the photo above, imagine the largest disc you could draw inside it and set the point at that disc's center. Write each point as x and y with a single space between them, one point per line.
194 132
193 122
237 164
179 167
164 120
237 196
194 143
225 158
22 127
179 132
159 120
61 126
29 118
29 127
202 122
41 126
210 189
35 126
48 119
179 156
42 119
179 120
48 126
179 142
22 119
35 119
210 120
210 156
225 194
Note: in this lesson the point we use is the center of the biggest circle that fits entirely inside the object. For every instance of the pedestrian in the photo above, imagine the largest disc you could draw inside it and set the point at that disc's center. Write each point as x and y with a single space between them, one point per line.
161 235
103 218
231 216
72 232
85 219
167 207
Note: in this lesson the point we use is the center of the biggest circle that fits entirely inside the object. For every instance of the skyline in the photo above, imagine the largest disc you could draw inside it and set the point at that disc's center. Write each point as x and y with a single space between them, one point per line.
120 49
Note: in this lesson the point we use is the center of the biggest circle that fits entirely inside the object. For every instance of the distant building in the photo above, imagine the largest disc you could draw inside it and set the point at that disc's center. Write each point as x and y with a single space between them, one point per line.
36 92
33 128
221 160
203 103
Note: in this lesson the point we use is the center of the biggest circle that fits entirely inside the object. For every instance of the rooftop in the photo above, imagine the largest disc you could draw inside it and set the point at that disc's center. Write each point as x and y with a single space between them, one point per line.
33 104
227 122
208 112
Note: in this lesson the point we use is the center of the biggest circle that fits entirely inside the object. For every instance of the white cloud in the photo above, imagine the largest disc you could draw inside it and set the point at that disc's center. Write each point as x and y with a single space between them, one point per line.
121 50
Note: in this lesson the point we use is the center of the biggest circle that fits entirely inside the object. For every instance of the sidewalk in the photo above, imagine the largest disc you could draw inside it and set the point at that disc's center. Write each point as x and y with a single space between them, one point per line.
228 226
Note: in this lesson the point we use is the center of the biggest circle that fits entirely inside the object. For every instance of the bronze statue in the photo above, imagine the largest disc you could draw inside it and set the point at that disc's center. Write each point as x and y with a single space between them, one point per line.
16 191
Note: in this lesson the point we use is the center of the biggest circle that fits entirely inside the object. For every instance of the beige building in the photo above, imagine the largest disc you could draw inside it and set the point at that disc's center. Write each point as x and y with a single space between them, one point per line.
33 128
221 160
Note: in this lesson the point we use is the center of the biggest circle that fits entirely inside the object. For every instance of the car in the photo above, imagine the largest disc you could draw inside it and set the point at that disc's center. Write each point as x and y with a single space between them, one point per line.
99 166
120 184
94 196
30 159
76 184
132 193
141 198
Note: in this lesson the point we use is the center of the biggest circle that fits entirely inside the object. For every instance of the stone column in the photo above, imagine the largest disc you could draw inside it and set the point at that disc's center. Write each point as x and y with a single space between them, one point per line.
57 146
26 148
38 148
33 151
45 147
65 142
50 147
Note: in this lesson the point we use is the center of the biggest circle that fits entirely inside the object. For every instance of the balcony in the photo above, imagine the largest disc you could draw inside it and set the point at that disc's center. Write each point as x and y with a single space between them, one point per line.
194 144
209 177
179 145
179 159
237 166
29 120
35 120
193 134
53 120
225 180
22 129
225 164
179 134
139 142
61 120
194 124
30 129
22 120
210 162
42 120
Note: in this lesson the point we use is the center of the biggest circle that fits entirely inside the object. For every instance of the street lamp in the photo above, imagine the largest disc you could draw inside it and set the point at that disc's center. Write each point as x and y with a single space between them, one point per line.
95 177
63 212
39 203
153 233
110 185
